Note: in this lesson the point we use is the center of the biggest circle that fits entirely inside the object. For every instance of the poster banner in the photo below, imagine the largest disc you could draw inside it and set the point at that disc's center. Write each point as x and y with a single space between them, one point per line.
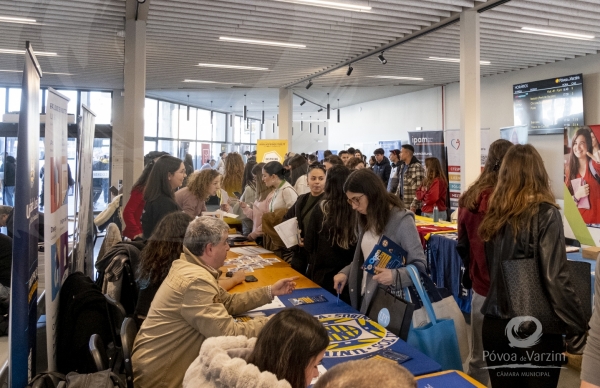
582 193
24 282
389 146
271 150
455 165
516 135
84 240
56 240
428 144
486 141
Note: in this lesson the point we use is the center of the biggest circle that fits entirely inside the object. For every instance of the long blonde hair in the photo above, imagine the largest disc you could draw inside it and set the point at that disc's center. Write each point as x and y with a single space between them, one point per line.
200 181
518 192
234 173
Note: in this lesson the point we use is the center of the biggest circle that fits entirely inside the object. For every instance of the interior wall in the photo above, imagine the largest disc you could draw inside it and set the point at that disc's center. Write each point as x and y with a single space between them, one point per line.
302 140
386 119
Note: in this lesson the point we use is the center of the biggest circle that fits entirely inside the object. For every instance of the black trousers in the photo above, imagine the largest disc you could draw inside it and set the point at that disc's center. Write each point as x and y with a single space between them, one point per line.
545 358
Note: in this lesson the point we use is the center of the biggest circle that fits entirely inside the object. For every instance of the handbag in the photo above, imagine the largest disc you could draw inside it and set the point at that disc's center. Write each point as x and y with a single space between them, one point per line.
526 293
437 339
390 311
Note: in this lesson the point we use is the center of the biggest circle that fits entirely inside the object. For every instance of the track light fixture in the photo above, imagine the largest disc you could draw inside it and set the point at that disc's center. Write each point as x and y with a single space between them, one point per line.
320 110
350 68
303 102
245 109
381 58
328 107
309 84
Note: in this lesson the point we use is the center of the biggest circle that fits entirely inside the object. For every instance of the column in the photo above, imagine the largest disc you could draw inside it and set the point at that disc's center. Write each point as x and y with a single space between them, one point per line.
470 119
118 138
135 93
286 115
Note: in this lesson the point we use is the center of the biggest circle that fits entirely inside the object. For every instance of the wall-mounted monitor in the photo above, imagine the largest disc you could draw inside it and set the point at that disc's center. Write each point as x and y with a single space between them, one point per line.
547 106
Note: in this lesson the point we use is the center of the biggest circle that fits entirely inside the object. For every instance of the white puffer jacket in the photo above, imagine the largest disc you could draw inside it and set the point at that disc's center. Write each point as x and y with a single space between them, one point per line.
222 364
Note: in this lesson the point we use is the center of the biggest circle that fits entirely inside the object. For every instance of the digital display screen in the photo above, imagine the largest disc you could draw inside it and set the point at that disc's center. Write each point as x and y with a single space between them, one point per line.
548 106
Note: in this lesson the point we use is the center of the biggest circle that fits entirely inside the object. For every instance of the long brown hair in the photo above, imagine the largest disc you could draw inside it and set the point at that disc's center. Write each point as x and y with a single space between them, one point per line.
434 170
365 182
158 182
518 192
573 167
489 176
298 338
200 181
262 190
337 213
163 247
234 172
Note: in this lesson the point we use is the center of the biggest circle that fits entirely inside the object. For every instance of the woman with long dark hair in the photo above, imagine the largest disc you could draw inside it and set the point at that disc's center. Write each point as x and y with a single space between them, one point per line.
330 237
201 185
433 191
472 207
379 214
255 210
579 172
302 210
523 231
284 196
286 354
299 174
135 205
166 176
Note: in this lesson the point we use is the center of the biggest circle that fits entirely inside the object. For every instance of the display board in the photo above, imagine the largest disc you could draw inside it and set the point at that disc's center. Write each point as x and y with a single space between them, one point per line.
549 105
271 150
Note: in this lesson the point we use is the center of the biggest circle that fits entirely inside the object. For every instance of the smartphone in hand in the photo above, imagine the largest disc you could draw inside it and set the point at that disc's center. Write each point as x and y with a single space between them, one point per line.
237 194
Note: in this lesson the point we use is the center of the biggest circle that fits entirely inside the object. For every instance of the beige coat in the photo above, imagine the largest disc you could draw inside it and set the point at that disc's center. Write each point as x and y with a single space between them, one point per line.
188 308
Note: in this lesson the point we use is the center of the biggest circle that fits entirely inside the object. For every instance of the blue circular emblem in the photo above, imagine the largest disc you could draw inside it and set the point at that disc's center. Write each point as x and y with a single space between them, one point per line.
383 318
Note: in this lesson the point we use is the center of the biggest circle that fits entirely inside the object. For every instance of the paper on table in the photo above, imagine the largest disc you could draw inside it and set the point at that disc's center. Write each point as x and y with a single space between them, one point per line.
275 304
288 231
219 214
250 250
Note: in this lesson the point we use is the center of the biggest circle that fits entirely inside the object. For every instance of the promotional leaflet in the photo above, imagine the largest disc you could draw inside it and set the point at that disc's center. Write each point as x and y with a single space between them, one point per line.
385 254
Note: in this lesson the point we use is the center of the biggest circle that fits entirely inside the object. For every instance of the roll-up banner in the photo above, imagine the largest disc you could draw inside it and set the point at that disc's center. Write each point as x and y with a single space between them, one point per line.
271 150
428 144
24 282
84 239
56 234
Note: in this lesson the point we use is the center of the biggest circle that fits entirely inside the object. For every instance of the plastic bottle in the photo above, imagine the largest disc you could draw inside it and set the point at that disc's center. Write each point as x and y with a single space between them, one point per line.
436 214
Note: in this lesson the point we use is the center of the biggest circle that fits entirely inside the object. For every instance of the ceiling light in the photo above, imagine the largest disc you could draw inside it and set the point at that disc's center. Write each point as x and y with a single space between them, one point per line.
309 84
320 110
454 60
232 67
558 34
263 42
381 58
9 19
210 82
394 77
303 102
46 72
350 68
330 4
37 53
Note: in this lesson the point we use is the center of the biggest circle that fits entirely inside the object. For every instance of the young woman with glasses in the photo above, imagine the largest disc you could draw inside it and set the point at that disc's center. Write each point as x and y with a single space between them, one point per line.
379 214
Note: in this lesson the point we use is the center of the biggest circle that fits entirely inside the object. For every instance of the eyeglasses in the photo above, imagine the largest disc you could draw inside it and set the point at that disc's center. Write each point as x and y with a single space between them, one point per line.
355 200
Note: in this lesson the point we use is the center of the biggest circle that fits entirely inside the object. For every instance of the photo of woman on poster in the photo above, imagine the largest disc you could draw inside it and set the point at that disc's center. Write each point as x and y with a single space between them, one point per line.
582 174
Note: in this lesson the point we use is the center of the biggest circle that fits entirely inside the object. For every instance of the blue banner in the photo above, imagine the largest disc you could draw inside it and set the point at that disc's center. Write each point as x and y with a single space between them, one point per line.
390 145
24 283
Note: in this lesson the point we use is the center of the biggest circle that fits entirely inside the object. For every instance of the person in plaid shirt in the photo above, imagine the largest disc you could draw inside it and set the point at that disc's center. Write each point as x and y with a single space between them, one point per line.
411 175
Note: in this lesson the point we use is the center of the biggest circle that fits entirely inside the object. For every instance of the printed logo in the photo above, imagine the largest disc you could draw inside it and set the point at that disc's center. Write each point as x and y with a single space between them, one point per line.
354 334
513 328
455 143
383 318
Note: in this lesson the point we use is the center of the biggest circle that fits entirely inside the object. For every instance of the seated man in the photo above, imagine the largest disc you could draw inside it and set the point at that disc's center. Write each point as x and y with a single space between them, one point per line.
190 306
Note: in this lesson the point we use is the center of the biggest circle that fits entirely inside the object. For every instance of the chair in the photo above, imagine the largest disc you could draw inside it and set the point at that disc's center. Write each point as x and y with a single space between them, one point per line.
128 333
98 352
116 315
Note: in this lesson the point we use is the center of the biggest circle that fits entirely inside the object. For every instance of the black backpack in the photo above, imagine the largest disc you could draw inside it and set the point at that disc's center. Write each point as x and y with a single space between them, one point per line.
82 312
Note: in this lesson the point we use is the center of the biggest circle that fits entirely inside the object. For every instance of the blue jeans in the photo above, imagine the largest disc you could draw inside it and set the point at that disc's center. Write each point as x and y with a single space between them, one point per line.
9 195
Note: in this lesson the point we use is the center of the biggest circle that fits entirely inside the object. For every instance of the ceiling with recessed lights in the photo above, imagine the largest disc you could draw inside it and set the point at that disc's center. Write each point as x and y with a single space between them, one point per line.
220 50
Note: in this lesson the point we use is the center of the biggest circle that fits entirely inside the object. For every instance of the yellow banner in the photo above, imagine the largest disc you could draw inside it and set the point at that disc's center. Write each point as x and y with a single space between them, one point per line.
271 150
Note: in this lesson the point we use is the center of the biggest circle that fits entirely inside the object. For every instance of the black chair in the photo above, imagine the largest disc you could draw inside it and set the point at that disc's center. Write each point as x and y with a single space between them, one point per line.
116 314
98 352
128 333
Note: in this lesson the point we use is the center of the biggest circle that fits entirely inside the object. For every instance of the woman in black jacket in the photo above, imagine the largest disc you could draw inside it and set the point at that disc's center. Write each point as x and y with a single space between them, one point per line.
302 210
525 246
330 238
166 176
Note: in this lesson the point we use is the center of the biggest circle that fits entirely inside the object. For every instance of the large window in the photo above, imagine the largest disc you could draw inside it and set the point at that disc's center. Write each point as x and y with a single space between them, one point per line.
2 101
100 103
168 120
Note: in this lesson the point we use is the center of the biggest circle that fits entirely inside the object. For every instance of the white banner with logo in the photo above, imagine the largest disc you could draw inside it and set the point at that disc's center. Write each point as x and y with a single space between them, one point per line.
55 189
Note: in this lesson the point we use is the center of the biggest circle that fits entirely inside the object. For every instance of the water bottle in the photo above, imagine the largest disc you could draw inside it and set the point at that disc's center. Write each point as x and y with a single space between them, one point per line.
436 214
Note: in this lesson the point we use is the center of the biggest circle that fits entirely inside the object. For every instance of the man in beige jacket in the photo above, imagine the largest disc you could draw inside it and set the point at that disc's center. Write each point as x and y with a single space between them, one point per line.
190 306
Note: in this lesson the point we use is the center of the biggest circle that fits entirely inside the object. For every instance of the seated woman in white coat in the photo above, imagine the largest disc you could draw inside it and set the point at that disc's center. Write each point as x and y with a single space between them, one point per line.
235 362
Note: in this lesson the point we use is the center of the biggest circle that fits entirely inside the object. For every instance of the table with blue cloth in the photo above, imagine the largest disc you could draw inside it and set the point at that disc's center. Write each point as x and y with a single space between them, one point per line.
353 335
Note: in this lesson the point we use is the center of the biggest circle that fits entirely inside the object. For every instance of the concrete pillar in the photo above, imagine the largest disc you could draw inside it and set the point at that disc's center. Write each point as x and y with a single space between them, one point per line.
135 92
470 112
286 115
118 137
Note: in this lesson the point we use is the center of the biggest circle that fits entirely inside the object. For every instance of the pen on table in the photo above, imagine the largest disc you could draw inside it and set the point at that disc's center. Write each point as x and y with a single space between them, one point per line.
338 296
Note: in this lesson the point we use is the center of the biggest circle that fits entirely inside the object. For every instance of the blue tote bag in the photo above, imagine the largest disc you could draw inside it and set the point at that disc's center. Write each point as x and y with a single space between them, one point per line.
438 338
